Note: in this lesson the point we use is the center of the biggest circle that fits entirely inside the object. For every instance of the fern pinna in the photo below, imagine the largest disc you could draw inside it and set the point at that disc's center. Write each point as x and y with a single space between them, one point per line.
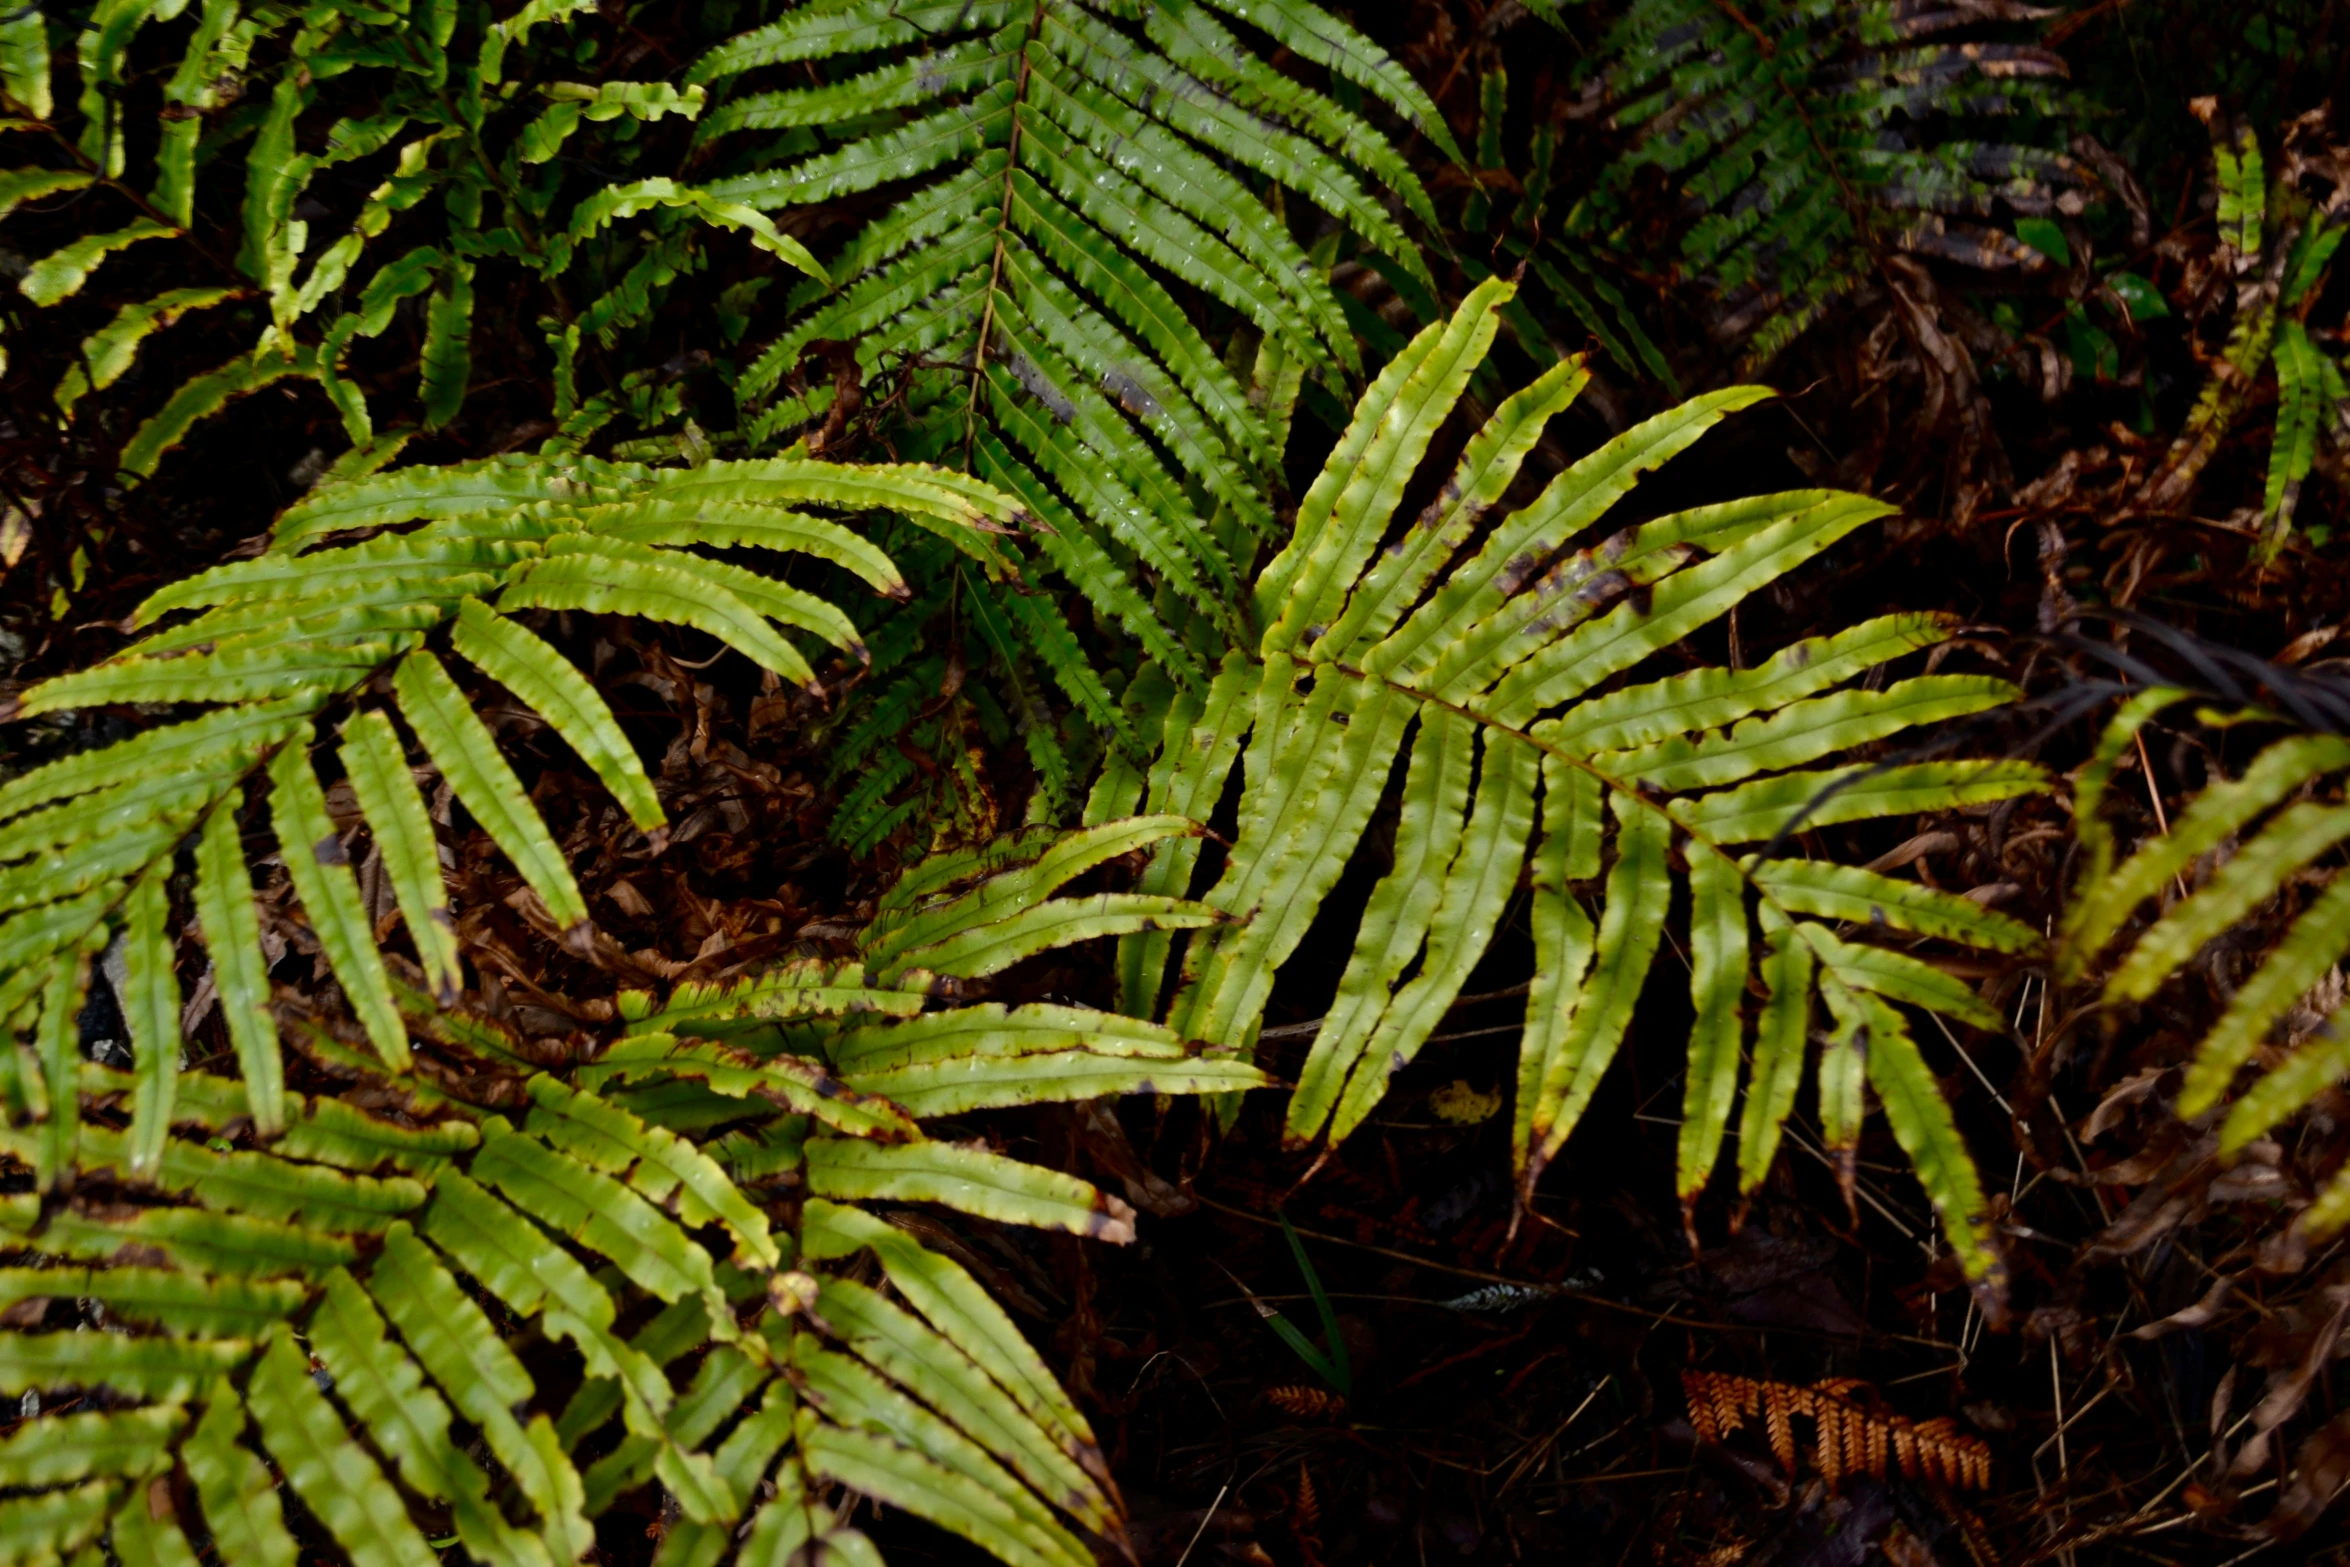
1062 173
1490 641
1807 136
470 137
679 1220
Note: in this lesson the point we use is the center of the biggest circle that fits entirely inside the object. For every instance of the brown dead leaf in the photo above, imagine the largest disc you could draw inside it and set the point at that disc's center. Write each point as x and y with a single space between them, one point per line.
2287 1391
2321 1468
1104 1137
2195 1316
2135 1088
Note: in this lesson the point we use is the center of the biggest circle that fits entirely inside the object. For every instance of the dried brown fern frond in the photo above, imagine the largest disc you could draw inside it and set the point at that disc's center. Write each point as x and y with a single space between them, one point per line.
1305 1518
1302 1401
1851 1434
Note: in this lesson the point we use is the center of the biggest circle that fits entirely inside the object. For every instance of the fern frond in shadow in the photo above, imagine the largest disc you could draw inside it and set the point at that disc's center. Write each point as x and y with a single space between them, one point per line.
1564 279
1805 138
327 189
2277 238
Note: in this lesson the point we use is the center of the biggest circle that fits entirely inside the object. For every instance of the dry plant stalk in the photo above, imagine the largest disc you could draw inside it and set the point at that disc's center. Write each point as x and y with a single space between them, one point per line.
1850 1436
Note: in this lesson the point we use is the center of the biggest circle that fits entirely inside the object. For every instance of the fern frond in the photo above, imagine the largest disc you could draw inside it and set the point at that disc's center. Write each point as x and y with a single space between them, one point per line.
1024 625
296 636
2279 242
1852 1435
771 1366
471 124
2281 817
1503 657
1073 168
2303 409
1807 138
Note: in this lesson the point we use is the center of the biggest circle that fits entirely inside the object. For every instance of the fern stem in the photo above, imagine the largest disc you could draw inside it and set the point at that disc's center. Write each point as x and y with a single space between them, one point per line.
995 274
1761 39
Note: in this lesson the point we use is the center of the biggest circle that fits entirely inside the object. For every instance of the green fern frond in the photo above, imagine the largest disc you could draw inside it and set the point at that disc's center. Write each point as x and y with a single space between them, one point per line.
1067 170
936 1405
282 643
2279 243
345 1296
2282 817
1806 137
464 126
1487 644
1571 293
1022 627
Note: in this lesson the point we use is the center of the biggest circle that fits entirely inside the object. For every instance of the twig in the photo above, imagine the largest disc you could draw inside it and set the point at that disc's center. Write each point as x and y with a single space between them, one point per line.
1997 1097
1204 1522
2154 798
2064 1464
1867 1196
1556 1432
1621 1474
2057 1436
